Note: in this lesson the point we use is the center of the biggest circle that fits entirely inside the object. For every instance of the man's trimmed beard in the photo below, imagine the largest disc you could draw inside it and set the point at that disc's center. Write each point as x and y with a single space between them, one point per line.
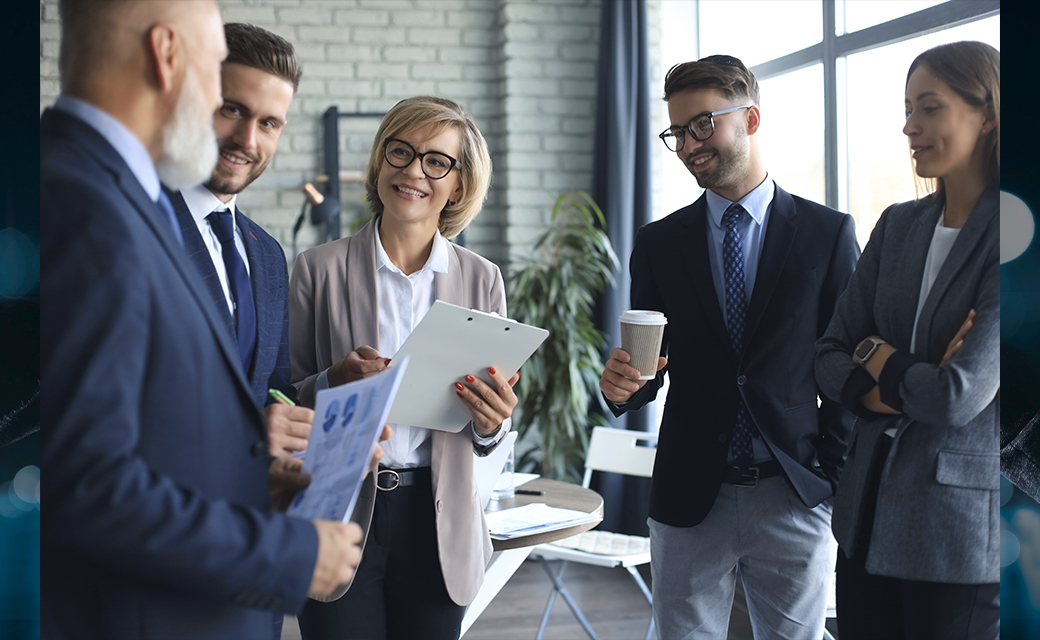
189 142
731 164
218 184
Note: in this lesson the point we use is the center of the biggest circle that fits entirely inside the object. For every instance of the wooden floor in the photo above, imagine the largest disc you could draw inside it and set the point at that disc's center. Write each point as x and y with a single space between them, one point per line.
609 598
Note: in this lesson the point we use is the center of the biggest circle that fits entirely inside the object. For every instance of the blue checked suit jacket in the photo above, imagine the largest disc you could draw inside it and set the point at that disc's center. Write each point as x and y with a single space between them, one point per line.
270 280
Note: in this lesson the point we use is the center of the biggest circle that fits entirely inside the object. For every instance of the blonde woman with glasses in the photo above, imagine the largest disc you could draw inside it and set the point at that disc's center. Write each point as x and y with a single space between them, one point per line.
354 301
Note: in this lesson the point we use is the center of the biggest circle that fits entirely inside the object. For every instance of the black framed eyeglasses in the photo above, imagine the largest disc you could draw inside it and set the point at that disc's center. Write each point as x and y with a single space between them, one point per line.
700 127
434 164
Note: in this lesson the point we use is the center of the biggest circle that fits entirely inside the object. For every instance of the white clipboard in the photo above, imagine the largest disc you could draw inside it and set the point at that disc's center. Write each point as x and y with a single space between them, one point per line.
450 343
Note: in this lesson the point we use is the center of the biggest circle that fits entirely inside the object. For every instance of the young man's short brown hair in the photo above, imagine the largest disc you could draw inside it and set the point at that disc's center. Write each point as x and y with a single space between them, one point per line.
726 74
252 46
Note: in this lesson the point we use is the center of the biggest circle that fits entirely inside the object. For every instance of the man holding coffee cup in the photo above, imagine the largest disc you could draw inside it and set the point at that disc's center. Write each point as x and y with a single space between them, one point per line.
748 456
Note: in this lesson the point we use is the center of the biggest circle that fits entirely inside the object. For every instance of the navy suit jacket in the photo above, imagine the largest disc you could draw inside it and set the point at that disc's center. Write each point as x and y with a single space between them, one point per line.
156 523
270 280
19 369
1020 374
1020 418
809 253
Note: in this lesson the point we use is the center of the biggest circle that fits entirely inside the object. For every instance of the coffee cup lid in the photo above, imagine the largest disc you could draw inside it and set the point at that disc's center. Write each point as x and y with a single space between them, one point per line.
635 316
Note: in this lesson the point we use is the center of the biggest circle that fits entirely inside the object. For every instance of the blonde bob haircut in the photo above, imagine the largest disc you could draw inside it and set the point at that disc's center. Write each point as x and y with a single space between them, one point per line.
474 166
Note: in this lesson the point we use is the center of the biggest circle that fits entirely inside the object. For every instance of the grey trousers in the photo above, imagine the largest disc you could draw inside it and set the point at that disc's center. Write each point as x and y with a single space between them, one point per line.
782 551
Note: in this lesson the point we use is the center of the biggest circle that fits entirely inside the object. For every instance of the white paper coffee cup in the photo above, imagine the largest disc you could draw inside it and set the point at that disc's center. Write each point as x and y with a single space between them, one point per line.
641 335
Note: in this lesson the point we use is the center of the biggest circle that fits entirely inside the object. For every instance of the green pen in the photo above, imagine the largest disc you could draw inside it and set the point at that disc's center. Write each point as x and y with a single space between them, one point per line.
280 397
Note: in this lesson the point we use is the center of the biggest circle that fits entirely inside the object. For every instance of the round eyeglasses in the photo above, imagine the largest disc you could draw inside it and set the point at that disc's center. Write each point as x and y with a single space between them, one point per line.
700 127
434 164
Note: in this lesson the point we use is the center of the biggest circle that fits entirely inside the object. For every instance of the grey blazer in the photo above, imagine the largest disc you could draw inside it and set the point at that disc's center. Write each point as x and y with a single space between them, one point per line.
938 500
333 309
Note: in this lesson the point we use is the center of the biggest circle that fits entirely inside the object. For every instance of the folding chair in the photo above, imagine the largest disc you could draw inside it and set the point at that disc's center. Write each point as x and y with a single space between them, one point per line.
616 451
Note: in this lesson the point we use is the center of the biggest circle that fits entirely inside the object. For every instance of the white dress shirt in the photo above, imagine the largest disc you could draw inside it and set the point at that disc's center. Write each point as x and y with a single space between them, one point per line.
942 241
201 202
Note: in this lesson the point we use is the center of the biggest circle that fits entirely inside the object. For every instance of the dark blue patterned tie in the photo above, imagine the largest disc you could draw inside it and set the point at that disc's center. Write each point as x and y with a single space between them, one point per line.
736 314
238 283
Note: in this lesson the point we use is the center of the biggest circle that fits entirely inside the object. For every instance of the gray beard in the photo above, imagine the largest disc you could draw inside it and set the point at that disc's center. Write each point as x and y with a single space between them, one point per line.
189 142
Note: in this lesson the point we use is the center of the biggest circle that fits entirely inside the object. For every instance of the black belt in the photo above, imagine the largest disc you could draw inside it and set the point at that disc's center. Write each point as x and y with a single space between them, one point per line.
390 479
754 473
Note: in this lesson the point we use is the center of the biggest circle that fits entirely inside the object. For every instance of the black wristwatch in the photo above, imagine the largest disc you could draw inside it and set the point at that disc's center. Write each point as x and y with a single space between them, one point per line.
866 350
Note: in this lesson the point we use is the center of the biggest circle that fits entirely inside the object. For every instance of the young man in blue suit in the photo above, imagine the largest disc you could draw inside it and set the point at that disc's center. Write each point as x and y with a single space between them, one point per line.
259 79
158 522
748 457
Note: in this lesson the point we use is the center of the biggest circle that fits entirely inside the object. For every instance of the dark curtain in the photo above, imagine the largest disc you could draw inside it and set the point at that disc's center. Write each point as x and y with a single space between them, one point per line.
621 187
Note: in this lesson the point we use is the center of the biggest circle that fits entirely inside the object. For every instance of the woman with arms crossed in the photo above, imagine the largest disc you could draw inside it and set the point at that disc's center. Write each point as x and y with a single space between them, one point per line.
913 350
356 300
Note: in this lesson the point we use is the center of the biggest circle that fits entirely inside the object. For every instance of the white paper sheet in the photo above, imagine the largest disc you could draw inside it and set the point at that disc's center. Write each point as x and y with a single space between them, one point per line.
347 422
534 518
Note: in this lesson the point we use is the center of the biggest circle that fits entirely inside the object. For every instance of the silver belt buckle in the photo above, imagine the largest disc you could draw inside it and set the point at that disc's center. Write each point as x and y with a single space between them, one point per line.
752 478
397 476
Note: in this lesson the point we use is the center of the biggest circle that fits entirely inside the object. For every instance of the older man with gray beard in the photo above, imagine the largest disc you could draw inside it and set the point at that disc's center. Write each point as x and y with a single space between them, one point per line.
158 522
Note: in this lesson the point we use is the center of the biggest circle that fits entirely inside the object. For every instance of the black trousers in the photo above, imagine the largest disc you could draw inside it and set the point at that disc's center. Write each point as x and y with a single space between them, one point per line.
873 607
398 592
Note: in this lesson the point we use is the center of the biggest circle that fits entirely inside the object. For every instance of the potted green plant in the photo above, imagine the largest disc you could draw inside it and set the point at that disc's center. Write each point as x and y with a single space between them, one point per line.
556 289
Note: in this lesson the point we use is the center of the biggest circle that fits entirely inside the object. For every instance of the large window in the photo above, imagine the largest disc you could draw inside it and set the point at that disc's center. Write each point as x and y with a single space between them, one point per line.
832 74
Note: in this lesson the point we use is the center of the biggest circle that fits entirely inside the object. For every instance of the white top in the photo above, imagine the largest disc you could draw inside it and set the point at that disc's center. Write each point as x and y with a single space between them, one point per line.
404 301
942 241
201 202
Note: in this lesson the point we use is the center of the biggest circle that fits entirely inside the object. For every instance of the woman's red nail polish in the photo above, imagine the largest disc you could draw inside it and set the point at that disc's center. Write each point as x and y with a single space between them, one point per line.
517 375
458 385
492 370
468 379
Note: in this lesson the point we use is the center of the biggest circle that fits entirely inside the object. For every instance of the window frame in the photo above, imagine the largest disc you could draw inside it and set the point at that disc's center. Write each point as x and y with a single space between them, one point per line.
937 18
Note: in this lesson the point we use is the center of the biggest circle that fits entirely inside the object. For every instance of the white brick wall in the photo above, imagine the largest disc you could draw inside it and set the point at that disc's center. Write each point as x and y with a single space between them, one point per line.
525 69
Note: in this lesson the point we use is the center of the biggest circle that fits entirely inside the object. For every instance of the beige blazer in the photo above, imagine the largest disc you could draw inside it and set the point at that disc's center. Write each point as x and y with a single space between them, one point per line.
333 308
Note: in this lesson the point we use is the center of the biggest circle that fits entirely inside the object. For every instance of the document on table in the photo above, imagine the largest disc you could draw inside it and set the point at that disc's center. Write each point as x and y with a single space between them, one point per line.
521 478
534 518
348 420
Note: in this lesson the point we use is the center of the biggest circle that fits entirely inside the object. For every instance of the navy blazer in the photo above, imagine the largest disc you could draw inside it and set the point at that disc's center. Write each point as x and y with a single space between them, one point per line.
1020 374
270 280
156 523
19 369
809 253
1020 418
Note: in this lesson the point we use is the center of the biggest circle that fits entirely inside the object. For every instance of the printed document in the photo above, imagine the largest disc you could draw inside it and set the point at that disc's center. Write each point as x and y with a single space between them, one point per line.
348 420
